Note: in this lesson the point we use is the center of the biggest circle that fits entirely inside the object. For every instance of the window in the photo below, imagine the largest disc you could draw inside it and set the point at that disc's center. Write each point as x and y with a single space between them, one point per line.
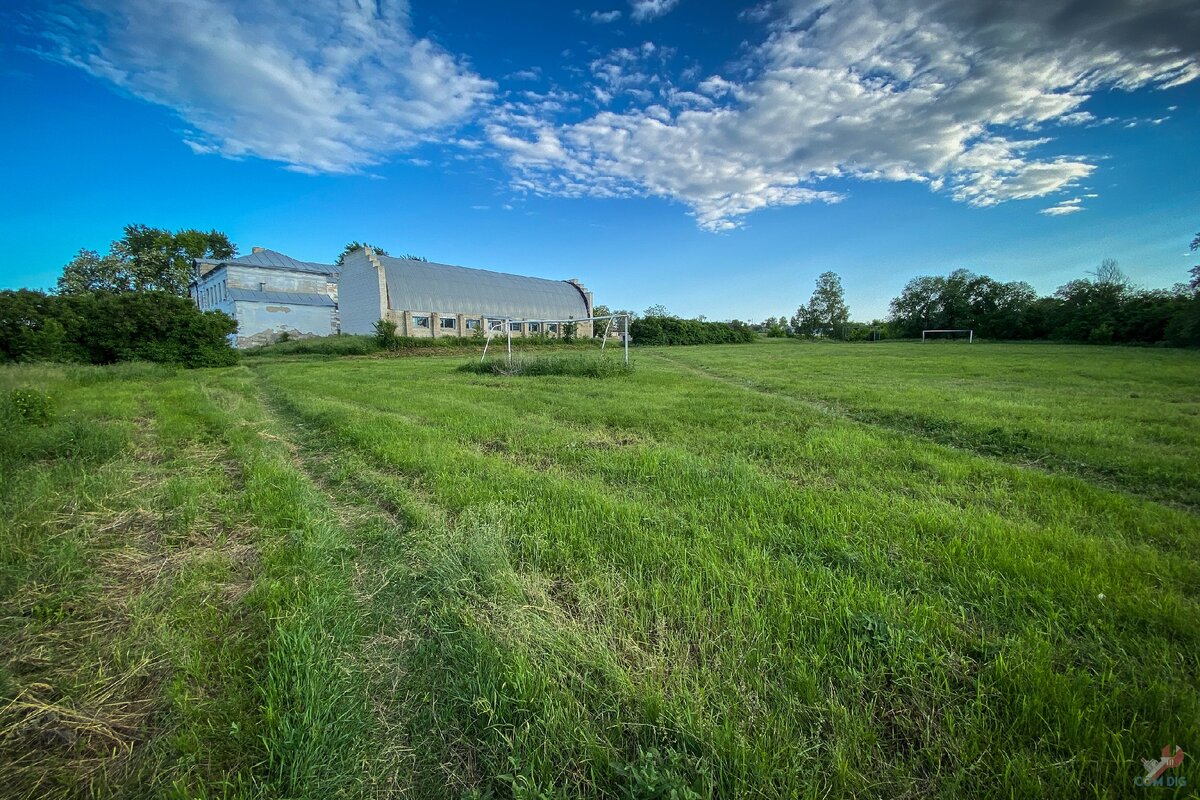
515 327
449 322
552 327
534 327
472 324
262 287
420 322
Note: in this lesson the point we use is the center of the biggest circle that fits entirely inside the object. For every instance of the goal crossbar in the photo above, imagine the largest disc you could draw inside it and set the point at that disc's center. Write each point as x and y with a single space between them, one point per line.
969 331
496 324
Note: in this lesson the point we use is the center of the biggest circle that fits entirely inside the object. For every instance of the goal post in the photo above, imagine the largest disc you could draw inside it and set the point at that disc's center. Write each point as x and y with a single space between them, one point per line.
969 331
612 323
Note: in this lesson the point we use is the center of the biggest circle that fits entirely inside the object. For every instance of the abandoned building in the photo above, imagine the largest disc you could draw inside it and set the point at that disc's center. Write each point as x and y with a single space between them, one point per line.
431 300
269 295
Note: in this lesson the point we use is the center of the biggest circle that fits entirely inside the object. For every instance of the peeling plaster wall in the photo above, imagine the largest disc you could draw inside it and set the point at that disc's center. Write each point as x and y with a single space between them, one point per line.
262 323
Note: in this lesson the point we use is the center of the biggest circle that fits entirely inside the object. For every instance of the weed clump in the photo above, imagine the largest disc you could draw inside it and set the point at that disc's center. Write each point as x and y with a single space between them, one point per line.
576 366
27 406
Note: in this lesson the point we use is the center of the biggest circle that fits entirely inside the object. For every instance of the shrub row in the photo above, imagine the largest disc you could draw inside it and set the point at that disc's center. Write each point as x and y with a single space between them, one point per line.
671 330
104 328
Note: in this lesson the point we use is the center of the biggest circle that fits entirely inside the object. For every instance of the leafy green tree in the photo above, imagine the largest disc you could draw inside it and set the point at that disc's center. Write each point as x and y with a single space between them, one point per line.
657 310
963 299
774 328
599 328
826 311
144 259
89 271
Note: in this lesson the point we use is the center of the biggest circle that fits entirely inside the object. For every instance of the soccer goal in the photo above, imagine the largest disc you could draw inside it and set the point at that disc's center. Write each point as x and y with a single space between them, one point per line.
949 333
614 327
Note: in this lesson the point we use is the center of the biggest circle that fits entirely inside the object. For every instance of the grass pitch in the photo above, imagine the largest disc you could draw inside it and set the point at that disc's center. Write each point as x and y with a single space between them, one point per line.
782 570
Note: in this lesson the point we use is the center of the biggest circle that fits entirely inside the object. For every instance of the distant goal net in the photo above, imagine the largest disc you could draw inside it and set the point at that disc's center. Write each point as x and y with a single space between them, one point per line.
948 333
506 338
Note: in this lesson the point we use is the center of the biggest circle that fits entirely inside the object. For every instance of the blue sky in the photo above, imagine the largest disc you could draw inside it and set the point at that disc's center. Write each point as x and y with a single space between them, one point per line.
711 157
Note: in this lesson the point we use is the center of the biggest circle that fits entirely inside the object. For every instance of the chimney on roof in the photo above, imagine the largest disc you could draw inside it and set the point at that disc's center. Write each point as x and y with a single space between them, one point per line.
256 249
573 280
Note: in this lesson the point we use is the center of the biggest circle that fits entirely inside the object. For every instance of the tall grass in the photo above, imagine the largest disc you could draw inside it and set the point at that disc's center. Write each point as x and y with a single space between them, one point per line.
690 581
578 365
727 574
176 602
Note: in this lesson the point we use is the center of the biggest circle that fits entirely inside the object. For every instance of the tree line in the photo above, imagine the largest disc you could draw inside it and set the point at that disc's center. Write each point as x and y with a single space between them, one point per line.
130 304
1103 307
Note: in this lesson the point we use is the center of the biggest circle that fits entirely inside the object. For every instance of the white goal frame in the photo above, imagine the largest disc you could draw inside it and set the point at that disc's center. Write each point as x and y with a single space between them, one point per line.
495 324
969 331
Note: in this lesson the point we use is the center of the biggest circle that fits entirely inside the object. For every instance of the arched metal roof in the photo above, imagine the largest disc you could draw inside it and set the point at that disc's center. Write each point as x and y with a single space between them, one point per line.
446 289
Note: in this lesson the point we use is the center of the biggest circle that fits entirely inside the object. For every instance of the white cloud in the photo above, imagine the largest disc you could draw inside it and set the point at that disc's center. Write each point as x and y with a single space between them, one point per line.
930 92
531 74
333 88
604 17
1065 207
645 10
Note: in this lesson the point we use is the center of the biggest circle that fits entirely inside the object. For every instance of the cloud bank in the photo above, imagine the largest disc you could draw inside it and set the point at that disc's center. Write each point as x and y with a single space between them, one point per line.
949 94
963 96
326 86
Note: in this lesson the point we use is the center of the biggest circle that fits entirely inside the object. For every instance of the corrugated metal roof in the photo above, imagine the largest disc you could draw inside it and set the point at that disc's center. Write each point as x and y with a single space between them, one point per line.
285 298
442 288
272 259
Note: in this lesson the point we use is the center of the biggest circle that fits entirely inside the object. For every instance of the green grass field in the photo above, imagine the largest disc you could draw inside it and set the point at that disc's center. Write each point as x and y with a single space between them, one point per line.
779 570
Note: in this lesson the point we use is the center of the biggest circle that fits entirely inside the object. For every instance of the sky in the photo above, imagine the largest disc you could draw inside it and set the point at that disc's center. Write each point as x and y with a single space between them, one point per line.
712 157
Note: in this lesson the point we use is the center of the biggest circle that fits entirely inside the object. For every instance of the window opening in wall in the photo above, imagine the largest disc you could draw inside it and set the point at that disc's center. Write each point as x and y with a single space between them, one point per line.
534 327
449 322
472 324
552 327
515 327
421 322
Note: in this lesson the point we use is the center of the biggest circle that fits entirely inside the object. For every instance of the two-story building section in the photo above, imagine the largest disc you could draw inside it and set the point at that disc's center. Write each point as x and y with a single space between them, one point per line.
269 294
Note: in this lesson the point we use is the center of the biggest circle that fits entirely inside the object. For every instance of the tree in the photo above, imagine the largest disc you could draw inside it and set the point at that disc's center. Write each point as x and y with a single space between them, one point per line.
826 311
1109 273
774 328
144 259
657 310
356 245
89 271
1195 271
618 325
352 246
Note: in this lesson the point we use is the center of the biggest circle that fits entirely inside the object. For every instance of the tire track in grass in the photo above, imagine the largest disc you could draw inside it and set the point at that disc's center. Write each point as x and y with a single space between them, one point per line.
1036 460
461 609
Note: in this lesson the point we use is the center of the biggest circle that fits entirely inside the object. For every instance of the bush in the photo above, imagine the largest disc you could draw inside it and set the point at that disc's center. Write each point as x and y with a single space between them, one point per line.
105 328
385 335
673 331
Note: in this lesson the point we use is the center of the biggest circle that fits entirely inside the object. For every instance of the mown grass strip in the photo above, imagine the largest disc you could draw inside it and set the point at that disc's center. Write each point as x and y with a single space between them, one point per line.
1121 417
915 638
124 663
